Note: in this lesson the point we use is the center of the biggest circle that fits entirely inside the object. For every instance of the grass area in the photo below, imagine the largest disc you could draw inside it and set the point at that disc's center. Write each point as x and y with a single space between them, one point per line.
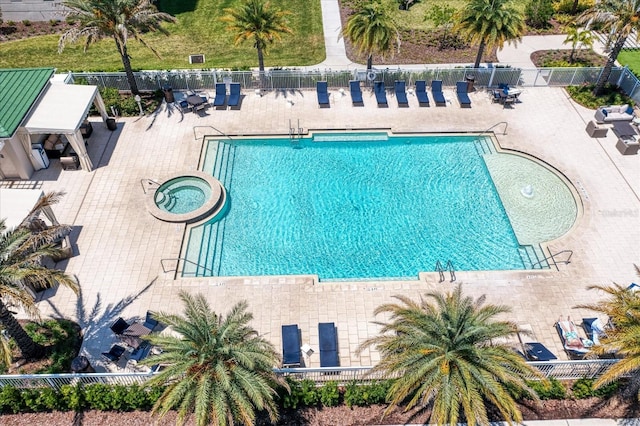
630 58
197 31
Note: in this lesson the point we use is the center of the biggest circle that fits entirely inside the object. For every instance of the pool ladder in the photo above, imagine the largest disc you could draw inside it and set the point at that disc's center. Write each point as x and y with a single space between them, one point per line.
448 267
295 134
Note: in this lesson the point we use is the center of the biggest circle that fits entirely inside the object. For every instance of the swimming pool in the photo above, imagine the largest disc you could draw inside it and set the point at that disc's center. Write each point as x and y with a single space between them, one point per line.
352 206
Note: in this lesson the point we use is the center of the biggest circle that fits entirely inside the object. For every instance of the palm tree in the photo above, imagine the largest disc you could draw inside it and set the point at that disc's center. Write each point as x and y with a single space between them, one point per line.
220 368
256 20
577 36
117 19
371 30
623 309
620 18
21 252
490 23
440 349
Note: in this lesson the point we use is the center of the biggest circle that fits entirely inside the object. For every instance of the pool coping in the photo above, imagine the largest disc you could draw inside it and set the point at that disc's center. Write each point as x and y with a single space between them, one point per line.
210 207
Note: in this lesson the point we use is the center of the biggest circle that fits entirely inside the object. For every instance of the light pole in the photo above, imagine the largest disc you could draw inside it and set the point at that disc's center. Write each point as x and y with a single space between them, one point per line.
138 99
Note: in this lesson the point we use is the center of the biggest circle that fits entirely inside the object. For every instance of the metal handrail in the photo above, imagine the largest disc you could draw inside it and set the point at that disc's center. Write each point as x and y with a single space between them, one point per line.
451 270
552 257
504 132
440 271
149 181
183 259
195 137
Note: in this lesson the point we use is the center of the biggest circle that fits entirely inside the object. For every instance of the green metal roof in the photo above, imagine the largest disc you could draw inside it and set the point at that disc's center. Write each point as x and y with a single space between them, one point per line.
19 89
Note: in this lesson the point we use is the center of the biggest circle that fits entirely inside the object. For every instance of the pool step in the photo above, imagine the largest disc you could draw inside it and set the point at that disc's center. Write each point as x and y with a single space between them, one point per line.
365 137
484 146
533 257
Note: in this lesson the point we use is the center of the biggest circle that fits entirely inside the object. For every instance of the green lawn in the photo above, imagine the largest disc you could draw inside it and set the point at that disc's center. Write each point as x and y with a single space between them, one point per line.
630 58
197 31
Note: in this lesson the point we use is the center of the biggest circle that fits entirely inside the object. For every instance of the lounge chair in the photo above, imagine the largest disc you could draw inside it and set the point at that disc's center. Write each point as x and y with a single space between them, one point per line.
574 346
184 106
401 94
234 95
436 91
421 93
328 345
119 326
141 352
356 93
150 322
381 94
323 94
290 346
461 93
114 353
221 94
536 351
594 329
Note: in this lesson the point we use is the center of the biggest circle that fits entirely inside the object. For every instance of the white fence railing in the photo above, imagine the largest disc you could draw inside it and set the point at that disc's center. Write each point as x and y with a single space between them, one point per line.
296 79
565 370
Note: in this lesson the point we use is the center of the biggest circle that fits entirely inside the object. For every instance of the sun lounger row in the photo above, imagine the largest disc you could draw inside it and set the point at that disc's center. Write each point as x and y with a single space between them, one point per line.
198 102
328 345
379 90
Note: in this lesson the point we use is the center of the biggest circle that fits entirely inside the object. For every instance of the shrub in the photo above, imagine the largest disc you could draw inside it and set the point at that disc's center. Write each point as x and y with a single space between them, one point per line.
53 22
329 394
551 389
610 96
583 388
538 13
310 394
41 399
98 397
26 22
300 393
63 338
362 395
11 400
72 398
566 6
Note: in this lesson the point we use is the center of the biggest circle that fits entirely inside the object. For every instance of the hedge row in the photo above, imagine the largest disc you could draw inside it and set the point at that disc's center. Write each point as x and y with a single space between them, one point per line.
303 393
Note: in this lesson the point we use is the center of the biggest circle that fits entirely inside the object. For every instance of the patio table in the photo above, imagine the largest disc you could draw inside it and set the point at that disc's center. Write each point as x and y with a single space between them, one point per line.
131 336
194 100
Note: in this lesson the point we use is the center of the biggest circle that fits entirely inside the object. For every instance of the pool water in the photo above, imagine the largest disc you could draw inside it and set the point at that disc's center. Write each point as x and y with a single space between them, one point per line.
348 208
182 195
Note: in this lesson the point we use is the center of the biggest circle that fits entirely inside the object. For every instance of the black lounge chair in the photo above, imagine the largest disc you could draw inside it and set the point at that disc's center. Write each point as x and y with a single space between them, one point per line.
184 106
381 94
401 94
356 93
436 91
290 346
221 94
114 353
234 95
421 93
141 352
150 322
323 94
328 344
535 351
462 88
119 326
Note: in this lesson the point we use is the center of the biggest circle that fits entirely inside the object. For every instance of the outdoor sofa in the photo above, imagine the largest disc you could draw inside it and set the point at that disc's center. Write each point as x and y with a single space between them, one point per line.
608 114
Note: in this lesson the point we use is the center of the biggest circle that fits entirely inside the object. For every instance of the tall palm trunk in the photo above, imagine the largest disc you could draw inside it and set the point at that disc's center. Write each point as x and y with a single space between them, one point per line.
126 61
479 55
260 57
611 60
369 62
28 348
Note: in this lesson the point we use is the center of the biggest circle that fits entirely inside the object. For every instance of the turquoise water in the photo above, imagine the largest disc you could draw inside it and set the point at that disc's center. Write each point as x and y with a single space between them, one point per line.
351 209
182 195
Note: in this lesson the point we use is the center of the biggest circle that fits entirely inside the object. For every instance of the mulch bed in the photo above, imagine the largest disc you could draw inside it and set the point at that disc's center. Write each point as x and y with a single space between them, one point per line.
545 410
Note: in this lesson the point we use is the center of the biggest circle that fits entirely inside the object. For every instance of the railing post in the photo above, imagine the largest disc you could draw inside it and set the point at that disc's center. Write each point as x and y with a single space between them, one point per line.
493 73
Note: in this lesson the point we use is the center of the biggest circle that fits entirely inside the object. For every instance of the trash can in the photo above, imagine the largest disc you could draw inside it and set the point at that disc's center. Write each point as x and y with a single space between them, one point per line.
470 78
168 94
80 364
111 124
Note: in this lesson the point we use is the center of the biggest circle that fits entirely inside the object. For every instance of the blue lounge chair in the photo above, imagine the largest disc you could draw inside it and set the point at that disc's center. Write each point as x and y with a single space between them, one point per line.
461 93
401 94
328 345
221 94
535 351
421 93
119 326
436 91
323 93
150 322
356 93
234 95
381 94
290 346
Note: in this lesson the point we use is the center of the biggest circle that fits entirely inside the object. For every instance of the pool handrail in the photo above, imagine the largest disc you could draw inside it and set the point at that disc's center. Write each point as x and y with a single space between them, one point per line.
184 260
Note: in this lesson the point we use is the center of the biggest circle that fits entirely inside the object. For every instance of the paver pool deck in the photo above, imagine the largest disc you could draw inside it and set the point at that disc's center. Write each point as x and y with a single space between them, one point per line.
119 245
